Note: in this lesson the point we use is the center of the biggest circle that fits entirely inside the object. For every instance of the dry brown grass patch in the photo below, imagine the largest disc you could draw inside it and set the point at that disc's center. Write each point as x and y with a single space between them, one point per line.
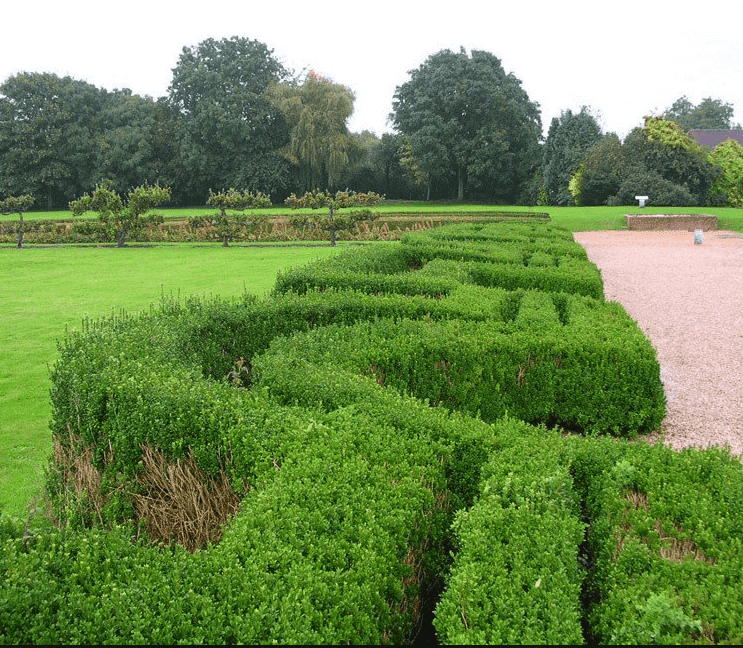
79 477
180 503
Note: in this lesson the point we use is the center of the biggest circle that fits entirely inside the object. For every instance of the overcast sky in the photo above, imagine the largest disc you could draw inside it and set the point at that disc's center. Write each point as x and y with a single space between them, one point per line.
623 60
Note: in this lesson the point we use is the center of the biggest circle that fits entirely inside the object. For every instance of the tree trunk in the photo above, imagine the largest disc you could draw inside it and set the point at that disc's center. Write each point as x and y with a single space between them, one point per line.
332 228
460 191
225 242
20 231
120 238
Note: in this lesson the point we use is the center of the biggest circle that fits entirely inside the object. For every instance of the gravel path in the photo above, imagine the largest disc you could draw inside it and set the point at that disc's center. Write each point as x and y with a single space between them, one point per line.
688 299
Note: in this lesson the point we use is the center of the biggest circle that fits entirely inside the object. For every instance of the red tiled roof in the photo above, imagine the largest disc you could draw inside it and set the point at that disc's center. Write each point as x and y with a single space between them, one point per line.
711 138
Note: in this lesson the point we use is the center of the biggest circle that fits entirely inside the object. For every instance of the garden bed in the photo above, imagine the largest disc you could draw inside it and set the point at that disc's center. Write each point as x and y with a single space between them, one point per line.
687 222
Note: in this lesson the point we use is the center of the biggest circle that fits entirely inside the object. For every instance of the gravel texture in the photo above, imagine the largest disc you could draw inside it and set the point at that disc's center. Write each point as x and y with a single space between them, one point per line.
688 300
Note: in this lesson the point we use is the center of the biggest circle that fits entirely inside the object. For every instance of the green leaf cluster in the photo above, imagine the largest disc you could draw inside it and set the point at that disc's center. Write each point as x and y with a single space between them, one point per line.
728 156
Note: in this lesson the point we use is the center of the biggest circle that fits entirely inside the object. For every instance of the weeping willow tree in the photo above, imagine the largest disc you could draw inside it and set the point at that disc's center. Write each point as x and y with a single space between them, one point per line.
316 112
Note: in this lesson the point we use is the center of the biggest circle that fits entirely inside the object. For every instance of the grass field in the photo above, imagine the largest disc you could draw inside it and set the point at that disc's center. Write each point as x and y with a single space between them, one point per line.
47 289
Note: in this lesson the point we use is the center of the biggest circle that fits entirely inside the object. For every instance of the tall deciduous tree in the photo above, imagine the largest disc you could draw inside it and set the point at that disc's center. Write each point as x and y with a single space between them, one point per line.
48 129
317 111
602 171
470 124
708 114
127 153
568 139
230 131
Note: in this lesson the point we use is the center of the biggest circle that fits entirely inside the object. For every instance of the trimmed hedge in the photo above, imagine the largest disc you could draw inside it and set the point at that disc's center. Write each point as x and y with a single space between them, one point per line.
334 546
666 531
430 264
367 404
599 378
516 577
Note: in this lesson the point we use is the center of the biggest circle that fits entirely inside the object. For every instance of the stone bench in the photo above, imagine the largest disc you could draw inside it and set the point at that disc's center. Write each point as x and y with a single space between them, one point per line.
688 222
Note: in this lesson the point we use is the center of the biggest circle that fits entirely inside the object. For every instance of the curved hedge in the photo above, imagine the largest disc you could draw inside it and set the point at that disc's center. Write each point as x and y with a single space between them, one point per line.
372 413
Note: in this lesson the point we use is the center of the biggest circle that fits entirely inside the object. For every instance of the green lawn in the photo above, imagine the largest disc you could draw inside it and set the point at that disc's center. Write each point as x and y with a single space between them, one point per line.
47 289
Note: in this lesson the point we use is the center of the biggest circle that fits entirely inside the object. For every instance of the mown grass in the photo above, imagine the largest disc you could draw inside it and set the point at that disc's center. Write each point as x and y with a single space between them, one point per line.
48 289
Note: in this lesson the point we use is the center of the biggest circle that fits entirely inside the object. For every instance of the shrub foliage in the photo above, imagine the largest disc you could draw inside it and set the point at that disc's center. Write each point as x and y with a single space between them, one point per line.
384 434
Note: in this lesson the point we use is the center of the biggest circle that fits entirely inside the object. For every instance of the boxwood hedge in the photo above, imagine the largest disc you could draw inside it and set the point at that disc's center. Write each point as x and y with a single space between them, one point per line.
388 417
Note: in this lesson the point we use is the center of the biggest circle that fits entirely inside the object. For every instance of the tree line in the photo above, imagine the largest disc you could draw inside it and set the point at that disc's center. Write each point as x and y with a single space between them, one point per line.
583 166
234 116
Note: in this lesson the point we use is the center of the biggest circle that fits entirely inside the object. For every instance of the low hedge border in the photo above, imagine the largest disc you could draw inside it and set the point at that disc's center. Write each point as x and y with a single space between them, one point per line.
666 532
516 577
601 378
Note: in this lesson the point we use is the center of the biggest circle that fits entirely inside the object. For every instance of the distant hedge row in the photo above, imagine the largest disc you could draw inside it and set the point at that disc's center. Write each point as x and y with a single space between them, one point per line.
206 229
377 410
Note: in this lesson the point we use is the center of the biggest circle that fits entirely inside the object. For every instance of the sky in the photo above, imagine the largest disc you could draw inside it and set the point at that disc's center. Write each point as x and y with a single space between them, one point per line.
622 60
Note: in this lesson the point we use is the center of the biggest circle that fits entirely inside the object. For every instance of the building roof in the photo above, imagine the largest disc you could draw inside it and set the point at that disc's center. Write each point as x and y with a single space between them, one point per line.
712 137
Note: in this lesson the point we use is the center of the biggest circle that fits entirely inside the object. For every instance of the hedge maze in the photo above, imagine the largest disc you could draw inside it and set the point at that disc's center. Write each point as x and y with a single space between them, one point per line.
438 435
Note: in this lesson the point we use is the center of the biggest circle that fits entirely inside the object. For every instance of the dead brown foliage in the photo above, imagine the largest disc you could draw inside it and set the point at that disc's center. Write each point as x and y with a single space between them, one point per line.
180 503
176 500
672 548
80 479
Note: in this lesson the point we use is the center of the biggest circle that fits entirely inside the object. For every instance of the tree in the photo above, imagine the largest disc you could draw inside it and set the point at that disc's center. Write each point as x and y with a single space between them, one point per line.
470 124
127 155
362 172
230 132
708 114
17 205
48 131
602 171
126 216
394 177
568 139
412 168
229 225
663 148
658 160
728 156
316 112
332 221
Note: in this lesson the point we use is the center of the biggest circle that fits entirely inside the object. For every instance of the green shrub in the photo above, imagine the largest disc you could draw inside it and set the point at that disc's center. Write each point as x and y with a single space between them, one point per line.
515 578
666 540
357 409
598 378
